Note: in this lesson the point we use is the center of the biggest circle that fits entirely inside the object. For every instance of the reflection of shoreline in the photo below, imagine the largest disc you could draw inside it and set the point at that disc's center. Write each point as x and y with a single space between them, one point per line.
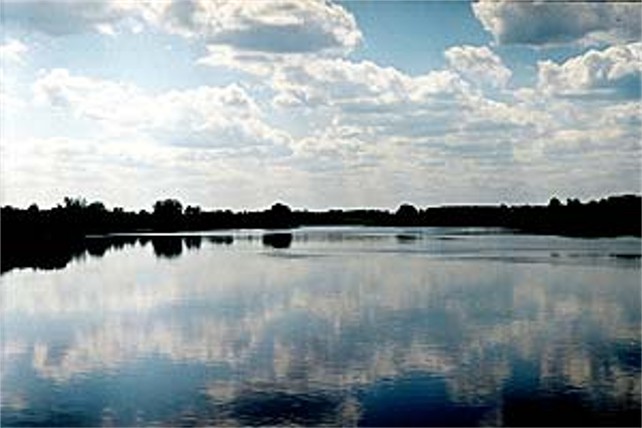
277 240
49 256
439 242
339 324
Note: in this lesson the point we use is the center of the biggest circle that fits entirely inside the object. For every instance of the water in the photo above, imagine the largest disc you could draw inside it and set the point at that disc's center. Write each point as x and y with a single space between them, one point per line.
327 326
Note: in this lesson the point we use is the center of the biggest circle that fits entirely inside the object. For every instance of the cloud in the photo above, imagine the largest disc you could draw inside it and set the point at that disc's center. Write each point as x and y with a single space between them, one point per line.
12 57
612 72
332 312
13 51
379 125
338 148
316 81
57 18
284 26
338 81
478 64
254 63
223 118
552 22
326 129
360 87
89 97
385 109
389 102
133 171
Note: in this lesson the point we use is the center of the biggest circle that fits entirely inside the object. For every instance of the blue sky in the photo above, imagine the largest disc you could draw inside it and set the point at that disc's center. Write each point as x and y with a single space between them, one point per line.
318 104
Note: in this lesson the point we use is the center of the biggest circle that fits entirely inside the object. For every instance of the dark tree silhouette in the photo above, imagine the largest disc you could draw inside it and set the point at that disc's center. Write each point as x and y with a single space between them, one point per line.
554 203
279 209
227 239
191 211
278 216
167 246
168 214
192 242
277 240
50 238
168 208
74 203
407 214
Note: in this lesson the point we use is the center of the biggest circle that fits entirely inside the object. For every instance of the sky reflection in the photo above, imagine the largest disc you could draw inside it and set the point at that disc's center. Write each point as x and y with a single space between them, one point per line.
245 338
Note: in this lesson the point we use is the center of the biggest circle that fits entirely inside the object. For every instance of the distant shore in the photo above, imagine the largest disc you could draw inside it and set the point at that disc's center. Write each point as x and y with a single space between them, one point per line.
611 216
50 237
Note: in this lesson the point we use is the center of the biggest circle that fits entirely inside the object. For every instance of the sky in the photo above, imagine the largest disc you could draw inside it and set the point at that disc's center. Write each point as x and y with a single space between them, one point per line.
239 104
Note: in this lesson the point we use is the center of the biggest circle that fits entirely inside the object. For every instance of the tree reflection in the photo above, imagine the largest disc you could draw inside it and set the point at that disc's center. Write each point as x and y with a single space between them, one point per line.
167 246
98 247
219 240
192 242
277 240
49 256
327 341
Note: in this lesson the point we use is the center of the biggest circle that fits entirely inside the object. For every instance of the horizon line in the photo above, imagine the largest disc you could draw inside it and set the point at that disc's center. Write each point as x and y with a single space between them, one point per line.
562 200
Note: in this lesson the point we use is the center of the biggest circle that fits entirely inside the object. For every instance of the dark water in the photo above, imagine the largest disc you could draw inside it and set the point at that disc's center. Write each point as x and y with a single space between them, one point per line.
340 326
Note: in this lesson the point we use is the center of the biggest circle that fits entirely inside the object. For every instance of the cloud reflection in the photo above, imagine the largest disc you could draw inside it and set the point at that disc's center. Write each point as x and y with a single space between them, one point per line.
331 328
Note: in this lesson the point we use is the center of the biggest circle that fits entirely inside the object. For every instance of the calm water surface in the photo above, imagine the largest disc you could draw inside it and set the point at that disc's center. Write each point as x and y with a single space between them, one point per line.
328 326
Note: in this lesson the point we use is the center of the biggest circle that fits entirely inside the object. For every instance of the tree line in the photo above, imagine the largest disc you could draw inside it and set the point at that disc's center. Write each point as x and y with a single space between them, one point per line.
611 216
27 232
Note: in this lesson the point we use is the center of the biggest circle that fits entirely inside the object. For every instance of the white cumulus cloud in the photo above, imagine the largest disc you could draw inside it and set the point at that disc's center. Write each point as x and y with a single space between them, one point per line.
478 64
614 71
207 116
281 26
278 26
12 51
554 22
60 17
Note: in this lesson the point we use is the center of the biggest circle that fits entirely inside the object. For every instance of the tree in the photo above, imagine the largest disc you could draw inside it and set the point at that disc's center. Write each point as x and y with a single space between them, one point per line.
168 214
554 203
573 203
97 208
192 211
280 210
278 216
75 203
95 217
406 213
168 208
